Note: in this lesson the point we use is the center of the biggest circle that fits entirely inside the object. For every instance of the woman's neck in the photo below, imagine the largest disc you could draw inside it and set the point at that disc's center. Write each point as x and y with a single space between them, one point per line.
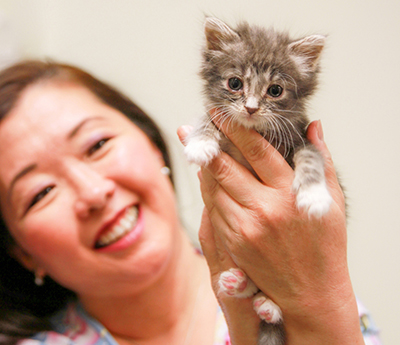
165 309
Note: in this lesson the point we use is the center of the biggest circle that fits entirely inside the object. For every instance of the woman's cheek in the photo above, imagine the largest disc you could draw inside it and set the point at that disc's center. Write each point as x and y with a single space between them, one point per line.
44 234
133 163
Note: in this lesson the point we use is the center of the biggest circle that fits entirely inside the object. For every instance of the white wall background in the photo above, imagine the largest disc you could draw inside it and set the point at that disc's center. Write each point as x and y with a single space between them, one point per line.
150 50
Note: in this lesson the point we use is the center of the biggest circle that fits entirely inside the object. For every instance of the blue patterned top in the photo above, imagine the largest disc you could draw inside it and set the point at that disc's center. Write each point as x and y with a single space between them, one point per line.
73 326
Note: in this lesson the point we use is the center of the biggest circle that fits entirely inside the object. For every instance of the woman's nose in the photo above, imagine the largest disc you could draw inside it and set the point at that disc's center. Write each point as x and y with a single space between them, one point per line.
93 190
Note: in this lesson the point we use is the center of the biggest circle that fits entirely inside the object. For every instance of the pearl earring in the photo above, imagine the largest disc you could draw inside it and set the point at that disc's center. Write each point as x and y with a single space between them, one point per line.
38 279
165 171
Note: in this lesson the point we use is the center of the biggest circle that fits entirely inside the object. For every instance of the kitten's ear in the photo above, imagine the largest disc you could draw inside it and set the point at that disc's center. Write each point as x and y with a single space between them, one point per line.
306 52
218 33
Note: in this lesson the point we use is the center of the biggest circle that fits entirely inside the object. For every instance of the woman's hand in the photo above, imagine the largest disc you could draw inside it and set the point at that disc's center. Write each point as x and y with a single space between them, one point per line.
300 263
242 321
261 227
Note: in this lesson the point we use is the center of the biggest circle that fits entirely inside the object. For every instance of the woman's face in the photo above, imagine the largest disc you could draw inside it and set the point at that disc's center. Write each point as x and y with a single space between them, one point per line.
82 192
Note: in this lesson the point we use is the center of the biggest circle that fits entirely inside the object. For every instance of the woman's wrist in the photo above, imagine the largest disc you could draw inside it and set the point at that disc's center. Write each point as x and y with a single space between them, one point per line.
243 323
332 320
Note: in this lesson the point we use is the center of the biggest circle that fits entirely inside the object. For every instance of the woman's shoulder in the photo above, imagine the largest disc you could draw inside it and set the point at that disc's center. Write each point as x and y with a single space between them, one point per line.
72 326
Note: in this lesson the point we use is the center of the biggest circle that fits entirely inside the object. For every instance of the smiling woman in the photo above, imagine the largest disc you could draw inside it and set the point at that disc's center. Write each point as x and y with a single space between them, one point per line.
16 286
81 185
88 213
92 187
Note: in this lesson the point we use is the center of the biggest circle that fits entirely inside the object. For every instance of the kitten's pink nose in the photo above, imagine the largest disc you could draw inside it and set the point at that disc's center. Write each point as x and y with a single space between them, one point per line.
251 110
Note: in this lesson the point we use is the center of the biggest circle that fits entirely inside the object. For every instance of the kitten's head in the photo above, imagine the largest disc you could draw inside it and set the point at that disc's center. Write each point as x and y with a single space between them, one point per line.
260 78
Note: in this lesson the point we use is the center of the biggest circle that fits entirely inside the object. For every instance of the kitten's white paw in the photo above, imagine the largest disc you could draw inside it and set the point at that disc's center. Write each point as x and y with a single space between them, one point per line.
266 309
314 199
235 283
200 151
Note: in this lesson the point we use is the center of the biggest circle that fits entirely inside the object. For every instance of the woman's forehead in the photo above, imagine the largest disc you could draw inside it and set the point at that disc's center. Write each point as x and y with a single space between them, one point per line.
48 101
53 108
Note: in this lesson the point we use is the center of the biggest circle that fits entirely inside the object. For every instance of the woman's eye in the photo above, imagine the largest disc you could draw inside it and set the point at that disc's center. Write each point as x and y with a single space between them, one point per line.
97 146
40 196
235 84
275 90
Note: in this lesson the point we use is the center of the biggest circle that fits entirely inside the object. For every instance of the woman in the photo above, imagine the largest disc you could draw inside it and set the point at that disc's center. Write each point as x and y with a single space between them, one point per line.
92 238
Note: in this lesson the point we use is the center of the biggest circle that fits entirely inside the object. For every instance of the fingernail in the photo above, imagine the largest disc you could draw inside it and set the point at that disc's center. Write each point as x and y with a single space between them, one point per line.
320 131
186 129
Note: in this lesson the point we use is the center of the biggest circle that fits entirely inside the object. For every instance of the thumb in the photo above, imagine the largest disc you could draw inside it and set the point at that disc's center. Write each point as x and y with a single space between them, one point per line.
183 132
315 135
213 249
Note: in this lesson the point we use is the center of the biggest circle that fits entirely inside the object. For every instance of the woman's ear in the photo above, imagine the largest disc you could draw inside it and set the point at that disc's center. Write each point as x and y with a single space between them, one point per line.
29 263
23 258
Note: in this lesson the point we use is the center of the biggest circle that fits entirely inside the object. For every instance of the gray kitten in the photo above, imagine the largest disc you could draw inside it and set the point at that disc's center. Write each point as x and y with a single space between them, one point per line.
261 79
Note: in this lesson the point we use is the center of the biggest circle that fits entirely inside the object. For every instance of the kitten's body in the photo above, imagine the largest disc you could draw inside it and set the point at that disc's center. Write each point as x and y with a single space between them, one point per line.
261 79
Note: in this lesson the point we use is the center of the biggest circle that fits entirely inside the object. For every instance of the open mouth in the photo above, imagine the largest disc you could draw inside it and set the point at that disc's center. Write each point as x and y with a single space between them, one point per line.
125 225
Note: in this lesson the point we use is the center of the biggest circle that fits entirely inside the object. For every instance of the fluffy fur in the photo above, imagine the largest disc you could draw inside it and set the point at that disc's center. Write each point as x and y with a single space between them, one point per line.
261 79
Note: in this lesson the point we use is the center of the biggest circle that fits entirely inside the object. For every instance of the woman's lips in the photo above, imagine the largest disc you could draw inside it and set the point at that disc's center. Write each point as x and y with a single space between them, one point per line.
125 225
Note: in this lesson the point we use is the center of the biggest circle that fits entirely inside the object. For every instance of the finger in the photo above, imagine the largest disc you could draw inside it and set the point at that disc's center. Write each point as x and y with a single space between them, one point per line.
183 132
232 222
213 197
316 136
266 161
224 175
207 240
214 251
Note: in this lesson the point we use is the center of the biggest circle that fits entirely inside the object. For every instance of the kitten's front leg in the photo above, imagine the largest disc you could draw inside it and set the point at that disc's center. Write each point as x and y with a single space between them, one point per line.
235 283
309 184
266 309
202 144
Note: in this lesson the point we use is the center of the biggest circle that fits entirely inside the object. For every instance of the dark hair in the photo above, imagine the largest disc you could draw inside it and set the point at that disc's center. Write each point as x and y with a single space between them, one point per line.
24 307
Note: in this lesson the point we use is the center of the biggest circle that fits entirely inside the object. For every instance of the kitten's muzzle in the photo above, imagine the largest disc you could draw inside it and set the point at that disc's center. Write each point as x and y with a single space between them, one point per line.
251 110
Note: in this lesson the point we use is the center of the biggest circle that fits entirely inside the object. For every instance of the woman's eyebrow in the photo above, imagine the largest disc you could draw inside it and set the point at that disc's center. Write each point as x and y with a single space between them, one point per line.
81 124
21 174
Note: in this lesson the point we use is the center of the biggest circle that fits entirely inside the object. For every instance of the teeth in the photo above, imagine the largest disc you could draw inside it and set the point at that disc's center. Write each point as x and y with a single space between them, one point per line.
125 224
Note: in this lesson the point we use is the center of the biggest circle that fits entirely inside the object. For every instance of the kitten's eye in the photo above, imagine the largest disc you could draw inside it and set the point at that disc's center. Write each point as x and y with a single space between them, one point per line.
235 84
275 90
97 146
40 196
